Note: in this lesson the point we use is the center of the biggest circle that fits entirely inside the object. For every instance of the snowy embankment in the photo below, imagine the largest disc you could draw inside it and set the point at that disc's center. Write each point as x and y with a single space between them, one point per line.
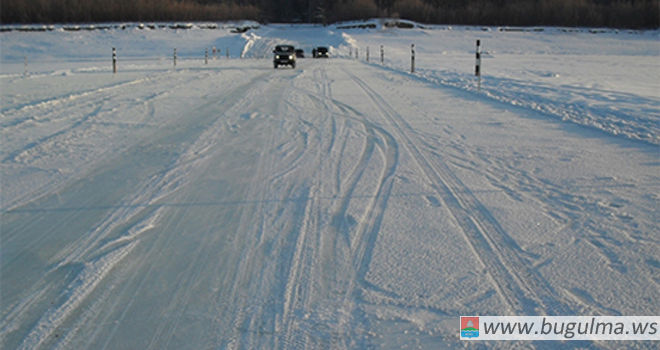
602 79
341 204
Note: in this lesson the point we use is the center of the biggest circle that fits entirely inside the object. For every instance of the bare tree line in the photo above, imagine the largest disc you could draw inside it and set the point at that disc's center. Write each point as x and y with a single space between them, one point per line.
593 13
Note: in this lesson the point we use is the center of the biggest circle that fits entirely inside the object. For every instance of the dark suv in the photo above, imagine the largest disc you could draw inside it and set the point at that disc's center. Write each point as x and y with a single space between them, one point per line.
320 52
284 55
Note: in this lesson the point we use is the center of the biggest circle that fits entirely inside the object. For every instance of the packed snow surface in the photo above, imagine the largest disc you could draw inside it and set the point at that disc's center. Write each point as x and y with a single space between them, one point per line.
341 204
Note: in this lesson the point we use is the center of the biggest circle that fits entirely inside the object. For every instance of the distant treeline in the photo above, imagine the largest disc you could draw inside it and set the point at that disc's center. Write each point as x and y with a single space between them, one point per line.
587 13
97 11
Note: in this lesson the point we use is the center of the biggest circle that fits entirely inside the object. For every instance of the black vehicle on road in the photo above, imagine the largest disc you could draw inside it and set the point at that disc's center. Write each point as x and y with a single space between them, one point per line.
320 52
284 55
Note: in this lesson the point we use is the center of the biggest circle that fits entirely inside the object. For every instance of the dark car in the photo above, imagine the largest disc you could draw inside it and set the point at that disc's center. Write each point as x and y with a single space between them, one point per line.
300 53
320 52
284 55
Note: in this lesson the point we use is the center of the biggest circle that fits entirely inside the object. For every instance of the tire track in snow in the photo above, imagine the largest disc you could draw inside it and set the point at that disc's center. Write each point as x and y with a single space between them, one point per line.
57 109
303 286
174 311
561 205
566 206
14 156
365 234
69 143
522 289
297 254
255 279
250 300
98 254
367 231
302 290
336 256
234 99
72 97
84 284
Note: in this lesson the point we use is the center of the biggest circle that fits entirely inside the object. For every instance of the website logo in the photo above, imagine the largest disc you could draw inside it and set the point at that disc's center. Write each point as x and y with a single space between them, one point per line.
592 328
469 326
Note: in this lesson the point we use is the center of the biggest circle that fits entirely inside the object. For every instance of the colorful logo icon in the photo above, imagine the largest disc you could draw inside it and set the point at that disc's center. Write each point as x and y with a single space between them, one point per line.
469 326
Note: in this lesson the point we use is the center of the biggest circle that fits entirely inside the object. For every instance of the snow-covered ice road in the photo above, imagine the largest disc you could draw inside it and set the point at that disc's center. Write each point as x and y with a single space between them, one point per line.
336 205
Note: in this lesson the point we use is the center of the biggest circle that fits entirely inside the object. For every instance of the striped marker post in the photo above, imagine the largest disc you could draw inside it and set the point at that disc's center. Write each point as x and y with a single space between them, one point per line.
412 58
382 54
477 66
114 60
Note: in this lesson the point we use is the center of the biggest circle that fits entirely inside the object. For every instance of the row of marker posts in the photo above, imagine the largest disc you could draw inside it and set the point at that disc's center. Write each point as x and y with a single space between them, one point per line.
382 53
477 66
174 58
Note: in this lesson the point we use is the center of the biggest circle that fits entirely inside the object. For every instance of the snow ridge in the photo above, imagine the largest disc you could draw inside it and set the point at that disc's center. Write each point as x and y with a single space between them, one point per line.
619 114
86 281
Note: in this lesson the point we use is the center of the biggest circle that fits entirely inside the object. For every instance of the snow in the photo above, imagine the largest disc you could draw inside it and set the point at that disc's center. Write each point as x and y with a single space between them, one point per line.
341 204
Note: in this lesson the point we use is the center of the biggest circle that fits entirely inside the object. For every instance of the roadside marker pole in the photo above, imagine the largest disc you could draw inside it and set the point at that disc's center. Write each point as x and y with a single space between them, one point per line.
357 56
477 66
412 58
367 53
350 51
382 54
114 60
206 56
174 57
227 51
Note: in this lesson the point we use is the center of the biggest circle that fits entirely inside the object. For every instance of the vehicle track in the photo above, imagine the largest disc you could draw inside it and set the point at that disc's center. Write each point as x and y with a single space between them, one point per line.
522 289
73 125
233 101
94 246
256 313
557 203
49 103
301 287
334 251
